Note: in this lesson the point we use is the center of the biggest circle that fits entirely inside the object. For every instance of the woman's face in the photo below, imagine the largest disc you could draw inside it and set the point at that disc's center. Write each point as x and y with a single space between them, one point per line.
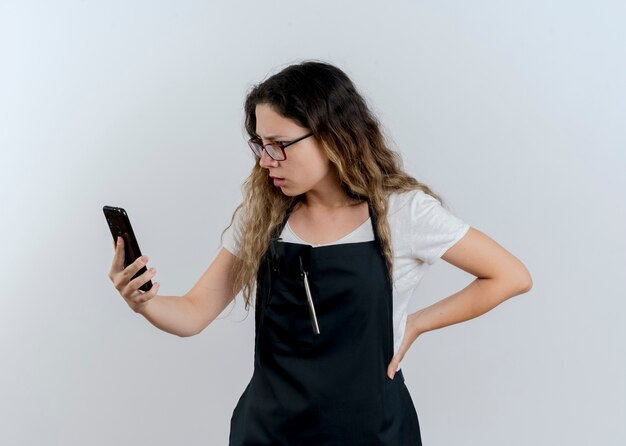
307 166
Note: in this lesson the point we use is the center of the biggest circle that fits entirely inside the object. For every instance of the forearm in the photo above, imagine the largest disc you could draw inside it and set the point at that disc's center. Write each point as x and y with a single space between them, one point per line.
173 314
480 296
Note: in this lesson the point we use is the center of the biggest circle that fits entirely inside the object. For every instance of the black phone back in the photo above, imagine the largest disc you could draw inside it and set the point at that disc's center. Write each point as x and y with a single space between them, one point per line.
119 224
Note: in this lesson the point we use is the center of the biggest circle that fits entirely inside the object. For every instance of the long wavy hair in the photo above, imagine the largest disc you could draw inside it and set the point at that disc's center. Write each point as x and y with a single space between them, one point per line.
318 96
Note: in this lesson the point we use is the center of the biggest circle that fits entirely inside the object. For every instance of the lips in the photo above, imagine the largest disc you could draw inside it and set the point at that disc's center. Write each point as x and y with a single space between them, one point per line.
278 182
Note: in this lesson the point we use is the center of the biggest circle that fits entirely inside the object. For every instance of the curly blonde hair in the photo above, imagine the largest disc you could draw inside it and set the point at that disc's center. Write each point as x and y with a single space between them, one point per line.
321 97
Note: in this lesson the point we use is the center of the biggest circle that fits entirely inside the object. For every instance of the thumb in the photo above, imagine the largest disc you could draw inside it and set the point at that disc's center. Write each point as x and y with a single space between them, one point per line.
118 258
394 365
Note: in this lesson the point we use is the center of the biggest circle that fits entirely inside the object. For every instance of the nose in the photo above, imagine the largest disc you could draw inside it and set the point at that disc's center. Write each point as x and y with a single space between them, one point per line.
267 161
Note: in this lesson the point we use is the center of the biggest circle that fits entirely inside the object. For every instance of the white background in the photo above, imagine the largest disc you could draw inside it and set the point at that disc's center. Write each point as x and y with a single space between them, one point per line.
513 111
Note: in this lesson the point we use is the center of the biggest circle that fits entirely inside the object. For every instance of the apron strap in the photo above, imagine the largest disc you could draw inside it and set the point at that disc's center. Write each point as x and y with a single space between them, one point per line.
275 249
279 228
374 219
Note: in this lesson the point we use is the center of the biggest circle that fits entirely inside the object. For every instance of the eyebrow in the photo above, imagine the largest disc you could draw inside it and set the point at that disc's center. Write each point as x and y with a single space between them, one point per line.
271 136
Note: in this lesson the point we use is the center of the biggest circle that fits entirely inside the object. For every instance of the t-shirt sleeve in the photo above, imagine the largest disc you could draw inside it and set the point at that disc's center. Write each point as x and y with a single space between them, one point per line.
433 229
232 236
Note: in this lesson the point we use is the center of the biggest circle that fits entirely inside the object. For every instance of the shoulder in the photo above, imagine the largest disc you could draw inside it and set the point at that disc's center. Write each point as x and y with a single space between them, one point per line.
231 236
409 202
422 212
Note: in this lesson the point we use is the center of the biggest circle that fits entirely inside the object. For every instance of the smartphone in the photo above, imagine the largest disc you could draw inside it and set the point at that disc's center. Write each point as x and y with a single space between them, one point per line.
119 224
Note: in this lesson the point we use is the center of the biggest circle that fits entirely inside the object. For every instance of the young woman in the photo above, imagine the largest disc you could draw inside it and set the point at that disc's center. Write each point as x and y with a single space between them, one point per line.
333 236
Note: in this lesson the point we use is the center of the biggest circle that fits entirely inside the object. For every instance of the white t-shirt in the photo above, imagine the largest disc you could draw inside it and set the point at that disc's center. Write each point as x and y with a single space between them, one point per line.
421 232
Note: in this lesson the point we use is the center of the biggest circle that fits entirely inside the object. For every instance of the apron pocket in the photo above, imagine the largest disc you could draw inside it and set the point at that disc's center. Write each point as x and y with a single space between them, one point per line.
287 318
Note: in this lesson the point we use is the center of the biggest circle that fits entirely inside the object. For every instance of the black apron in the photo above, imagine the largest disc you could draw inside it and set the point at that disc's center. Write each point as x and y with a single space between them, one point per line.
329 388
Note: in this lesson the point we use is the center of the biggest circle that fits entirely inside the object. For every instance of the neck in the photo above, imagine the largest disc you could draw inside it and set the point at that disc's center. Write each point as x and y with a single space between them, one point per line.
328 196
328 203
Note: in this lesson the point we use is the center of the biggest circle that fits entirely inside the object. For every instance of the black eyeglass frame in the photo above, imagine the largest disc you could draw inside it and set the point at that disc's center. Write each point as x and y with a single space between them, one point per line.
252 142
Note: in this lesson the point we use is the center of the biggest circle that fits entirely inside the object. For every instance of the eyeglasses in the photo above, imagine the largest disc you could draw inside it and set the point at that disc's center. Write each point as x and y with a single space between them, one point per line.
275 150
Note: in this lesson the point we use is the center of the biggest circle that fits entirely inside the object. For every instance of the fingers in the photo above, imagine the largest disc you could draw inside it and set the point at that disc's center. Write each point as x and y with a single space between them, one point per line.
140 280
393 366
121 278
140 299
131 292
118 261
409 338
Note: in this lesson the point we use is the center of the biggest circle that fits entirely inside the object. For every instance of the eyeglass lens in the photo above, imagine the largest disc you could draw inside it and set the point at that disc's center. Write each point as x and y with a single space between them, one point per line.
273 151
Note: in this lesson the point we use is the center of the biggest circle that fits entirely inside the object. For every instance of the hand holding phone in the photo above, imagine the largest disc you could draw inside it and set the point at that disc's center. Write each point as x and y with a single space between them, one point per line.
128 271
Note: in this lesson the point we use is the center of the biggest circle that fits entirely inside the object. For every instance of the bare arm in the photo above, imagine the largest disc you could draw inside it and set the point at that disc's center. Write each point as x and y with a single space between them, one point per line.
190 314
499 276
214 291
182 316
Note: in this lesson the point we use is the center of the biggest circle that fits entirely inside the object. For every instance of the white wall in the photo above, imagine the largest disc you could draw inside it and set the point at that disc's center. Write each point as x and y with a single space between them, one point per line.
513 111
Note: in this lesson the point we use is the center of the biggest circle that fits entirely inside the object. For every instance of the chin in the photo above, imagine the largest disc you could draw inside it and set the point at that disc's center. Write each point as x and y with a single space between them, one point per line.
289 193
